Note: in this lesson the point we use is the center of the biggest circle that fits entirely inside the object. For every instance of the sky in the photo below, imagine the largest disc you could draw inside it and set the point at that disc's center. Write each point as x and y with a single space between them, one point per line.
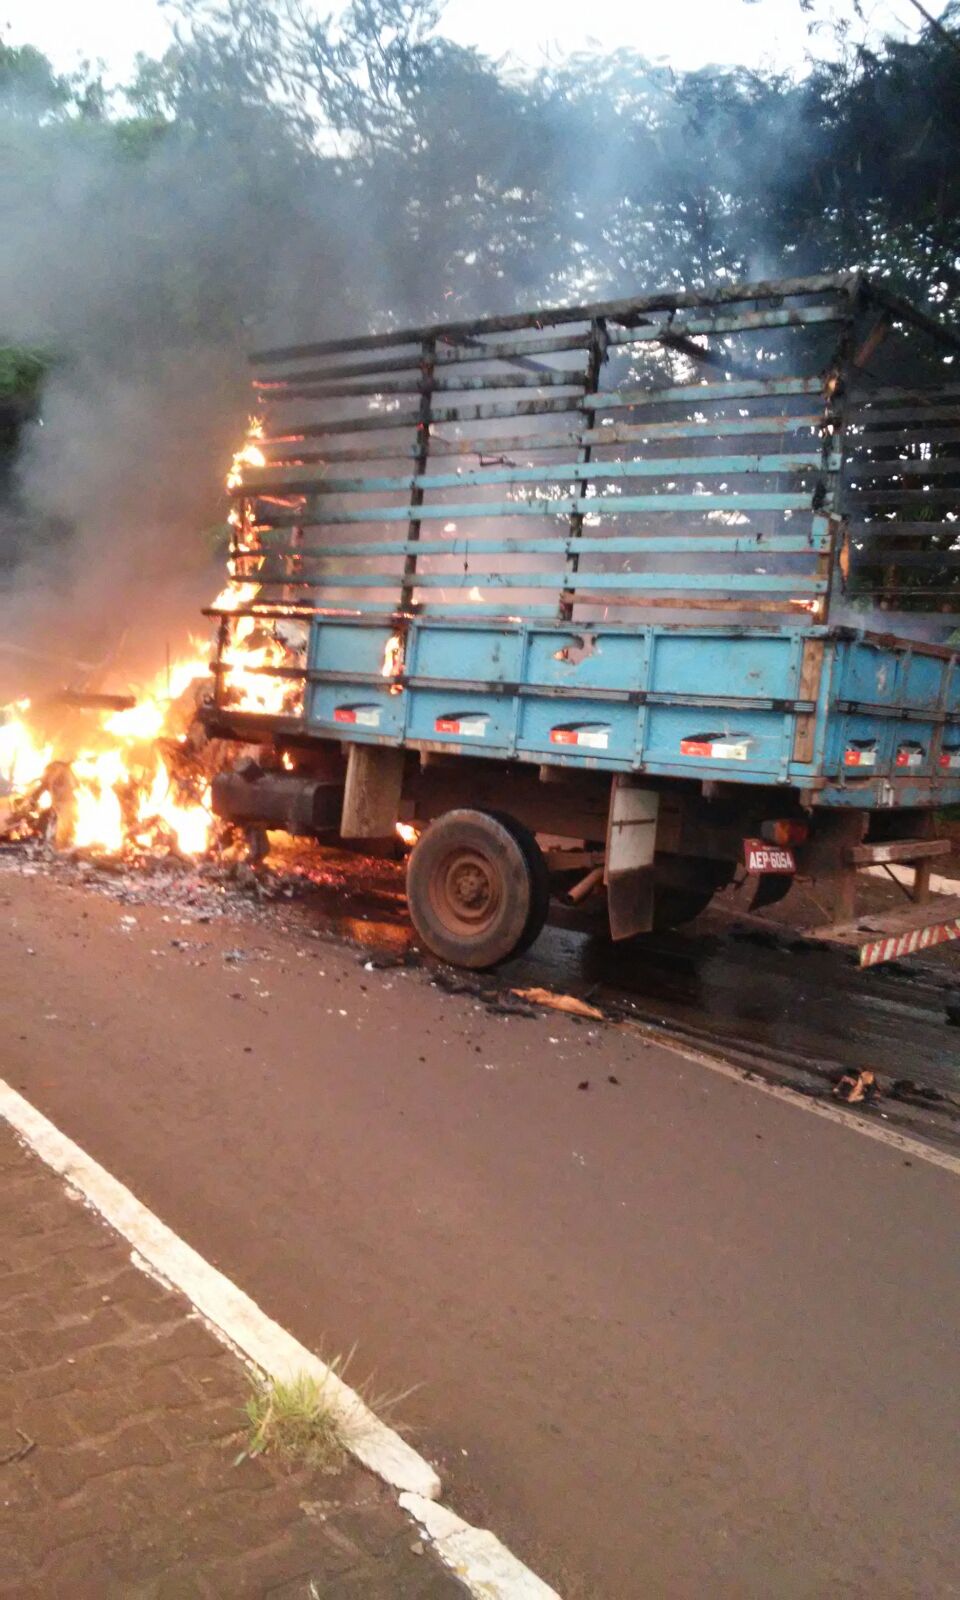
689 33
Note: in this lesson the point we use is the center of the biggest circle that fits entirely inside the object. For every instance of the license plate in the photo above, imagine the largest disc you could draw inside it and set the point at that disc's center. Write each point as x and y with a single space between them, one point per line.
761 857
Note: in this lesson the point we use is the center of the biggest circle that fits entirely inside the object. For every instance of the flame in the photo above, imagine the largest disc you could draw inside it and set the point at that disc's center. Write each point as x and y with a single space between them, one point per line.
117 791
254 647
242 516
249 454
129 782
23 758
392 657
407 832
235 595
255 643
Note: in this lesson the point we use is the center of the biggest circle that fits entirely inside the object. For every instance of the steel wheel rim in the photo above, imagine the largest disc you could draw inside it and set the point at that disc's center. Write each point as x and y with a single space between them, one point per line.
466 892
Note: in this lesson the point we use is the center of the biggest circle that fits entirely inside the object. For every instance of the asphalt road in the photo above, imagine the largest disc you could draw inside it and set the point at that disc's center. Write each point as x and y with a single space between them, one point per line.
673 1335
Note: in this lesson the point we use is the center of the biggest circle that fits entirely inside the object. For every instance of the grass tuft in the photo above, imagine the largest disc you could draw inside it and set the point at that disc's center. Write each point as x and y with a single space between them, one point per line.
296 1421
310 1421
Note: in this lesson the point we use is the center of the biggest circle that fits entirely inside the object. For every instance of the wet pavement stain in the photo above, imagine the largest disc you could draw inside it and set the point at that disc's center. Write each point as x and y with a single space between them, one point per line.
760 999
763 1000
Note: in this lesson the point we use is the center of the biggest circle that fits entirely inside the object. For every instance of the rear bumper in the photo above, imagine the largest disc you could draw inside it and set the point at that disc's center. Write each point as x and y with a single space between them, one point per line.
897 934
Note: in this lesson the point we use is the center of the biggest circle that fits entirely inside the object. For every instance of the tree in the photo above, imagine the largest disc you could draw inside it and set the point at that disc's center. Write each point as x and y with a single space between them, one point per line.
29 87
276 177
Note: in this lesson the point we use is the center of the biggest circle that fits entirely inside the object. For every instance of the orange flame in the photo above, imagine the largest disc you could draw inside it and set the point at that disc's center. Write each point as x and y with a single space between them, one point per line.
23 758
116 791
392 657
249 455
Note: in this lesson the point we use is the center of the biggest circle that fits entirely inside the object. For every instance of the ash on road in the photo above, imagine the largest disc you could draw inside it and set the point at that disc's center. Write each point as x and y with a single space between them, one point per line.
673 1335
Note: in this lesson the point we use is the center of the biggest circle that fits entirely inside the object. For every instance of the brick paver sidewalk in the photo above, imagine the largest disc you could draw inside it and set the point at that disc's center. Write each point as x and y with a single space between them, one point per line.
122 1480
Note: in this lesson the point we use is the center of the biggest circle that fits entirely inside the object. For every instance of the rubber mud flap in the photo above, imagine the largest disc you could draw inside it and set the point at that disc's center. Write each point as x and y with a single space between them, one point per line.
772 887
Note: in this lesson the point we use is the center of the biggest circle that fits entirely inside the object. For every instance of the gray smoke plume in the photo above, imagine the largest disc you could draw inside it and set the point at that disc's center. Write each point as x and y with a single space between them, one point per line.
148 256
118 474
137 256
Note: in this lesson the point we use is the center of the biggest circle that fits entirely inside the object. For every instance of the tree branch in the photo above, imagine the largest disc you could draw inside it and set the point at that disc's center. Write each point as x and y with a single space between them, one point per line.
937 26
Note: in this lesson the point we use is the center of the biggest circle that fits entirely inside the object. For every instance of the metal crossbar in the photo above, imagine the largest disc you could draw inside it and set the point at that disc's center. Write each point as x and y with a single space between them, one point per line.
764 396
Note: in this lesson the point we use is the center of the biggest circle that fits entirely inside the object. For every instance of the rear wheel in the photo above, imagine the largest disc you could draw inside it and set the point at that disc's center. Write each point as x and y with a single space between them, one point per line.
539 878
477 888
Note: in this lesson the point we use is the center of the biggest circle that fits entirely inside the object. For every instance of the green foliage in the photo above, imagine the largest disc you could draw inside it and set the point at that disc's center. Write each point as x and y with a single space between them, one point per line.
29 87
297 1421
418 178
274 177
21 374
603 172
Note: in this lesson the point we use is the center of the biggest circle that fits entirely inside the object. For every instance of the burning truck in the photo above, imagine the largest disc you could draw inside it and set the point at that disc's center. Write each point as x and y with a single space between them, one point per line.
633 596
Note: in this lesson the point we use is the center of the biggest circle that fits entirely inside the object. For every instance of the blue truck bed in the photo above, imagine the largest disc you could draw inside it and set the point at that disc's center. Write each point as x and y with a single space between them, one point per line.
848 720
704 536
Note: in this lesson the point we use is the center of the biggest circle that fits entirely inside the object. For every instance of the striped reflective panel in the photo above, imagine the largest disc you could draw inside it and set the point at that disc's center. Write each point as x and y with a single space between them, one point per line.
857 755
717 746
907 944
361 716
470 727
592 735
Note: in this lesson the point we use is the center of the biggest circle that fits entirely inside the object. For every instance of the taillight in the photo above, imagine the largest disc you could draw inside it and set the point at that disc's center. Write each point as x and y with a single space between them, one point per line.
784 831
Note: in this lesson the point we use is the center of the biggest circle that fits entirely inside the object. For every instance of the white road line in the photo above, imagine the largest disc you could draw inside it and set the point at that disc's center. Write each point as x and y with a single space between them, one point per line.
484 1565
852 1120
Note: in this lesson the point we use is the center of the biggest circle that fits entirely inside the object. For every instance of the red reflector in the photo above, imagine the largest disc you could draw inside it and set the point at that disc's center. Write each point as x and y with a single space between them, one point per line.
785 830
472 725
341 715
910 755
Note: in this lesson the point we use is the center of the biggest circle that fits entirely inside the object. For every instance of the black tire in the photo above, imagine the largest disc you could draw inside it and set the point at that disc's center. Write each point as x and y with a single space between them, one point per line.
539 879
472 891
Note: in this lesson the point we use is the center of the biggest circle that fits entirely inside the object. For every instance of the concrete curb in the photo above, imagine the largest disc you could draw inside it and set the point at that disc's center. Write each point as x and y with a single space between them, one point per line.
485 1566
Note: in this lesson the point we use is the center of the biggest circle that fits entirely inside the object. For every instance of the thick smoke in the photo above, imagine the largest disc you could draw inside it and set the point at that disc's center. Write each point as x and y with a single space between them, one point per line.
147 258
135 272
141 259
